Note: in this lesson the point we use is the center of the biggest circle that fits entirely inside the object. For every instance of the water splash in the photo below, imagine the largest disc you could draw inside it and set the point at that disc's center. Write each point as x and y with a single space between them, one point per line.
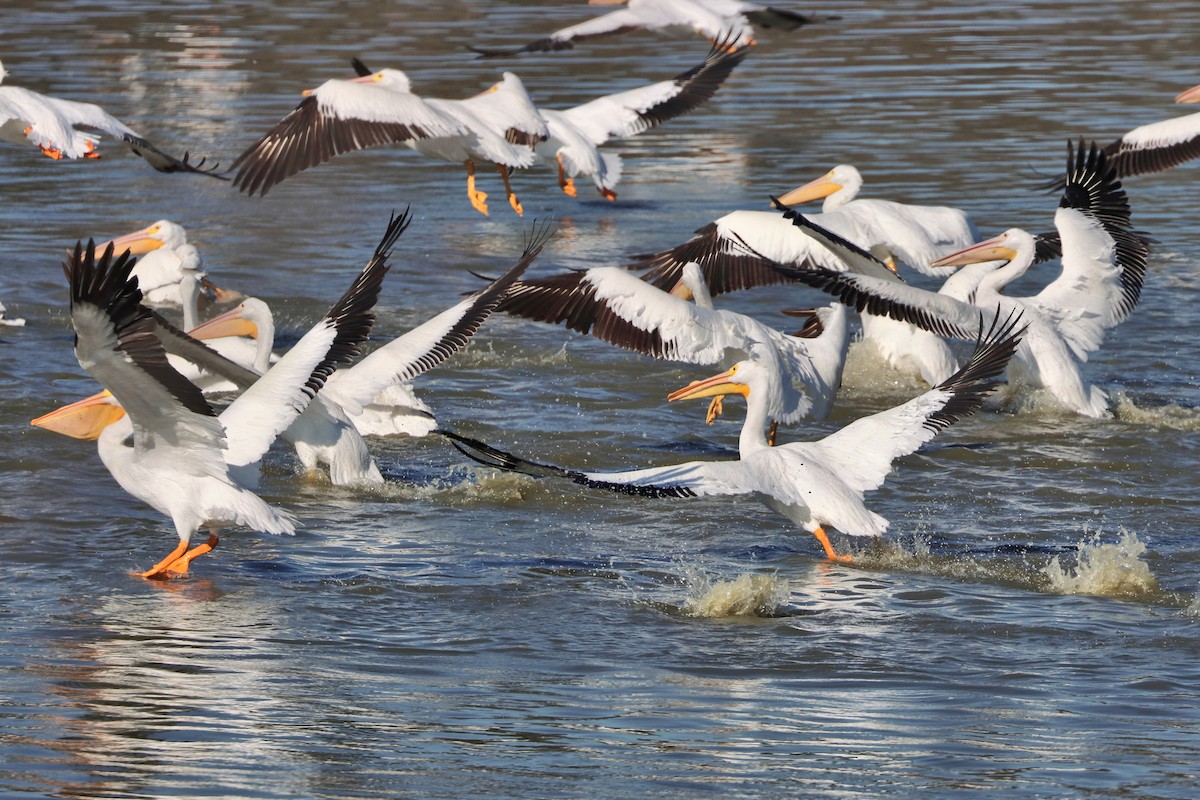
1106 570
747 595
1171 415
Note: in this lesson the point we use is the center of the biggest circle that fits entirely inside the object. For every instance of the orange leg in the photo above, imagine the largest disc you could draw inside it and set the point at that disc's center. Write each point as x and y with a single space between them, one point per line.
477 198
90 151
162 565
177 563
609 195
48 152
512 198
714 409
829 553
564 181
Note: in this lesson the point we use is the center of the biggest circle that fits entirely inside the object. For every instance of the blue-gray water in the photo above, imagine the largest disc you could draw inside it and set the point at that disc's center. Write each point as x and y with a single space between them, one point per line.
1028 629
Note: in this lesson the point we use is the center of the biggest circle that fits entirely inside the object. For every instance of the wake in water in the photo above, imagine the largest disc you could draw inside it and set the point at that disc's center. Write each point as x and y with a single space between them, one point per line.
1097 568
1171 415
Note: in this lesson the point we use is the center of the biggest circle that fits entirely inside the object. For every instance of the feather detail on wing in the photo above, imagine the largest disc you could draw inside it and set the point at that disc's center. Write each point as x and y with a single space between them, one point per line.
115 342
692 479
432 342
631 112
339 117
861 453
1103 257
256 418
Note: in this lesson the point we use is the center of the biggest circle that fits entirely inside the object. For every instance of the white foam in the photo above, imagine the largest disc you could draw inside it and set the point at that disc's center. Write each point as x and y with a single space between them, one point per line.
747 595
1104 569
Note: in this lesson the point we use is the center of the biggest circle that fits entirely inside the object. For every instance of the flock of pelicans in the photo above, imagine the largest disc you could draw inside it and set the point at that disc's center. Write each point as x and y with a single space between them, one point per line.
161 438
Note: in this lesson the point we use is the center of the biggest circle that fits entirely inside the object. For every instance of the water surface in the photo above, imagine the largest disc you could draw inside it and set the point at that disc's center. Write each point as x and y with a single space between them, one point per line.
1028 628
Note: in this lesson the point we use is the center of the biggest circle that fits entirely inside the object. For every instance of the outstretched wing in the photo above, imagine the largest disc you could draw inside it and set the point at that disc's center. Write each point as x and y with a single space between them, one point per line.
430 343
115 342
1103 257
692 479
338 117
256 418
629 113
862 452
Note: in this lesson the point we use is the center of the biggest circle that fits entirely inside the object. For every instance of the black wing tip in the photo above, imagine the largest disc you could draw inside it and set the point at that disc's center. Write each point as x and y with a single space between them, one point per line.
546 45
978 377
360 69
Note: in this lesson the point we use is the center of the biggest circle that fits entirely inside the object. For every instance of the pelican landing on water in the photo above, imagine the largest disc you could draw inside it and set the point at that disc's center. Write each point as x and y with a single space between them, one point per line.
815 484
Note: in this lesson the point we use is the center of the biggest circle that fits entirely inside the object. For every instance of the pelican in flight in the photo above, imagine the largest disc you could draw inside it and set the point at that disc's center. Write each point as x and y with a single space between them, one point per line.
67 129
167 260
374 396
500 125
575 134
611 304
1103 263
1154 147
155 432
715 20
816 484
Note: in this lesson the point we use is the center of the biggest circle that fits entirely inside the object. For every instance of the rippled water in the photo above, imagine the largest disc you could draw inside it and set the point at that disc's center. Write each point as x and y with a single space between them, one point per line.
1027 629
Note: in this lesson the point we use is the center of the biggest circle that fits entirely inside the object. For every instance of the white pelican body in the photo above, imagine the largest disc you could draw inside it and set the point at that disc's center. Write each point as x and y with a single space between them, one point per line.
67 129
499 125
166 261
155 432
737 249
1103 261
814 484
576 134
624 310
712 19
375 396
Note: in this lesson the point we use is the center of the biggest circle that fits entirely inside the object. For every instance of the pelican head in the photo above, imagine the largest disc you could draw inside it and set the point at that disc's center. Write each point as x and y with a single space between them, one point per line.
163 233
392 79
839 185
1192 95
1004 247
248 318
734 380
691 283
85 419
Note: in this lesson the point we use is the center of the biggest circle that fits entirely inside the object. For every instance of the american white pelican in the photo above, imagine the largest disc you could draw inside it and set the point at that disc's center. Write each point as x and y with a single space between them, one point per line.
1154 147
157 434
1103 262
245 335
610 304
739 249
10 322
500 125
712 19
577 133
166 259
67 129
374 396
815 484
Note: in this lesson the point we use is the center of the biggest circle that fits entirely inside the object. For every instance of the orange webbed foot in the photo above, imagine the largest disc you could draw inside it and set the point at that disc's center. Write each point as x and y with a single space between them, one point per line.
609 195
823 538
90 151
479 201
51 152
568 187
177 563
